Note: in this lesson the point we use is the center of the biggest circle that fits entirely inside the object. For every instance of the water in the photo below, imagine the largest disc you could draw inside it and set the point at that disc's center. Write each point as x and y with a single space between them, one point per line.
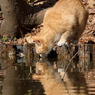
25 75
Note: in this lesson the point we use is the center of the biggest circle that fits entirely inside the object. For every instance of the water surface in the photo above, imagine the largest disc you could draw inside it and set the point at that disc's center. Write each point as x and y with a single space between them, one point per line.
23 75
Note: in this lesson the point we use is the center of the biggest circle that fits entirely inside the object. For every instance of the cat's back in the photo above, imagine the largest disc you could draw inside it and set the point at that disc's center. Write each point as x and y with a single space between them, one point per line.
65 10
69 5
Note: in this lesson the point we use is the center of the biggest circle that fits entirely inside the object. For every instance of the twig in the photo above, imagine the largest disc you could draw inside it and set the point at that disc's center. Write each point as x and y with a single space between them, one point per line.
67 69
66 88
69 64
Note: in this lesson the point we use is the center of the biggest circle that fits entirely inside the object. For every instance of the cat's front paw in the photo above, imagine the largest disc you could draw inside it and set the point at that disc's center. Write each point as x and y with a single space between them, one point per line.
62 43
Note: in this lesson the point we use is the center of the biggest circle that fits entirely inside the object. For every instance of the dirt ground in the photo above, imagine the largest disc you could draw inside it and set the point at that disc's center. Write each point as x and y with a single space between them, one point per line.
87 37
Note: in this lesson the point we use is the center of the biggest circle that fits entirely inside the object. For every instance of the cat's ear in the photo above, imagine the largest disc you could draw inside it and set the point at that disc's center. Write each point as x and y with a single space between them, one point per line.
36 40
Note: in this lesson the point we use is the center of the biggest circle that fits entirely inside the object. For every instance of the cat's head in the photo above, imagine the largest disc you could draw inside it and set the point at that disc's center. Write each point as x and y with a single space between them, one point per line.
42 46
42 70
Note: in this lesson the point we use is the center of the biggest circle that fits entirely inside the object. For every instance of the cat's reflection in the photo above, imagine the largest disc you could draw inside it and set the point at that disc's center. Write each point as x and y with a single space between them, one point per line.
44 69
50 78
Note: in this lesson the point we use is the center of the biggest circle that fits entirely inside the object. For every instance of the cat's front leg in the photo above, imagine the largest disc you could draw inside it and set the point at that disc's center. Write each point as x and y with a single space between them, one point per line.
66 38
63 40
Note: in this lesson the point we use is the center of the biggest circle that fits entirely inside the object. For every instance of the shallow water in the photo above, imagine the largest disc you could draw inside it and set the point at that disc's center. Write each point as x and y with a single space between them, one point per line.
20 75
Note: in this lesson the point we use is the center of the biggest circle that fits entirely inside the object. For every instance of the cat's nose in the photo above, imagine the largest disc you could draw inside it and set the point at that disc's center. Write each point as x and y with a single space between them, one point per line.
41 55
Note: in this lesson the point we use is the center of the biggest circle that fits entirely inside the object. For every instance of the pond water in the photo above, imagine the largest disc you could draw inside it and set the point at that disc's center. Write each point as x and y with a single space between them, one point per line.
22 74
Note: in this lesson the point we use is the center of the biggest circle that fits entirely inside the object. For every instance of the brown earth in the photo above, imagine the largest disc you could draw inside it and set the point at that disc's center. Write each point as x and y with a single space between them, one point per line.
87 37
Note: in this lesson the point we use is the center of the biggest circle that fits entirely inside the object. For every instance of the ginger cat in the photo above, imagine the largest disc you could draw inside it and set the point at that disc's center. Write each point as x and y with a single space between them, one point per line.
63 23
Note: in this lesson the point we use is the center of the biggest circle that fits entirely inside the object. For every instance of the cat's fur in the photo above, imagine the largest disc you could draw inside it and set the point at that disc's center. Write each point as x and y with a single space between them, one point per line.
63 23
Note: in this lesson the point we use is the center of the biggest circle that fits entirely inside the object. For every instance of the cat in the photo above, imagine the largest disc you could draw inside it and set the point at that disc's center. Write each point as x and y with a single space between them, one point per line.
63 23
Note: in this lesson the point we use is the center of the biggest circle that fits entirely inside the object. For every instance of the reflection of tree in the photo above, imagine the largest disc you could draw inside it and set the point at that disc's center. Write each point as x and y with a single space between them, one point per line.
26 84
17 82
2 74
10 83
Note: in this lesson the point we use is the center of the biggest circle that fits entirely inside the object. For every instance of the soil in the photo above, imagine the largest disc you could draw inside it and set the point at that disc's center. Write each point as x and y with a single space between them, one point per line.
87 37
